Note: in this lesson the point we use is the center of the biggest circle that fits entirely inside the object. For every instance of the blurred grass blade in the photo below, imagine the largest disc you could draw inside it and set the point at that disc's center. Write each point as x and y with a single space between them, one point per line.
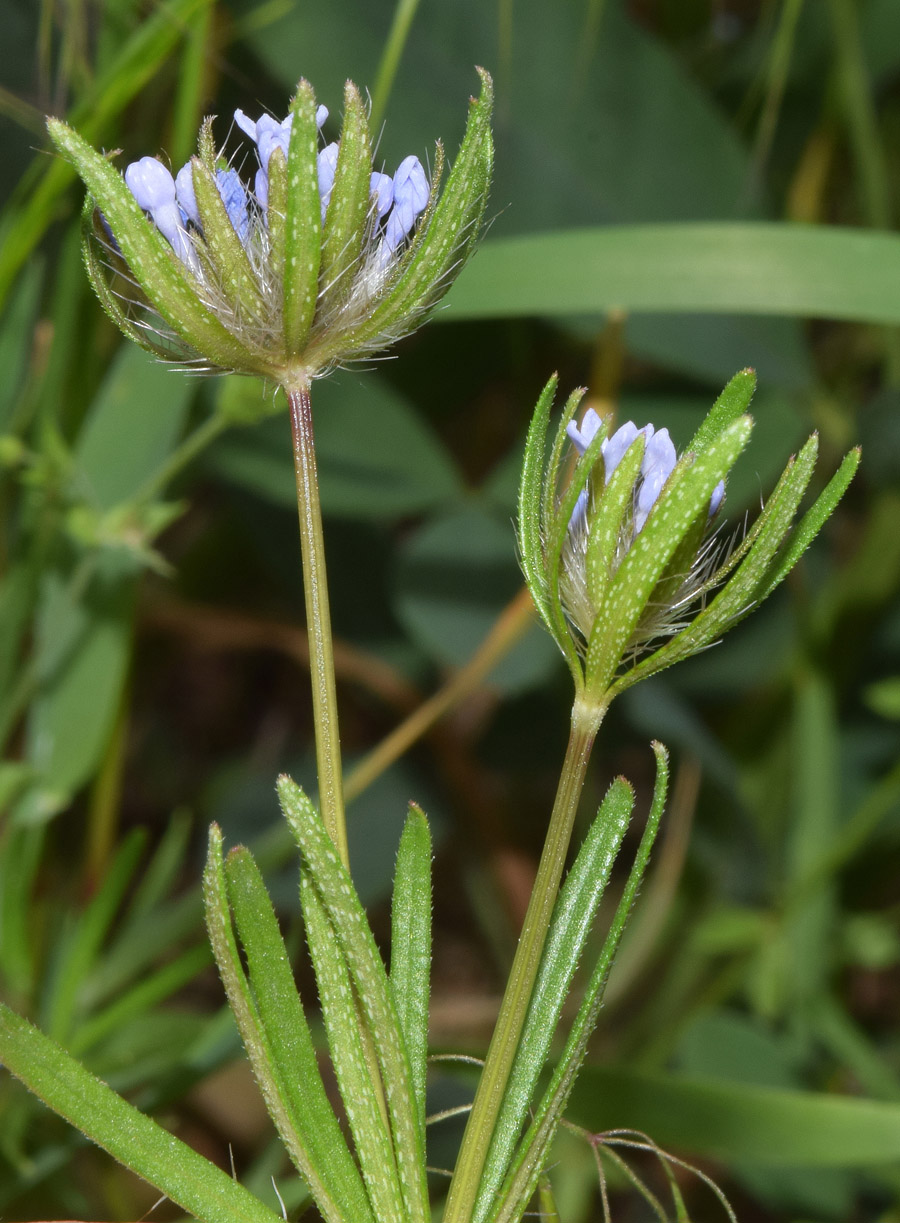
77 954
404 12
157 1156
161 873
16 338
411 947
141 998
737 1121
20 857
759 268
33 205
572 919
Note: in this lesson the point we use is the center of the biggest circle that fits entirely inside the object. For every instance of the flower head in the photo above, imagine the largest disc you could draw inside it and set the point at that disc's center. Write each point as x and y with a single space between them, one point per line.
619 558
321 259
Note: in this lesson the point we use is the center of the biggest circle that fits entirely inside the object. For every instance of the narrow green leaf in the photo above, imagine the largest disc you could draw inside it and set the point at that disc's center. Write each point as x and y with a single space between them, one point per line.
95 240
199 1187
733 402
82 648
452 229
529 519
268 1073
814 519
303 214
551 480
276 213
411 947
348 209
140 943
233 270
555 538
169 286
572 919
370 981
284 1026
606 528
685 493
131 428
740 594
367 1123
532 1151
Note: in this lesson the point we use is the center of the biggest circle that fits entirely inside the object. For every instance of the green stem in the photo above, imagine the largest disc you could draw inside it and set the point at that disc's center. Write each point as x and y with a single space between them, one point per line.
514 1008
182 455
318 623
404 13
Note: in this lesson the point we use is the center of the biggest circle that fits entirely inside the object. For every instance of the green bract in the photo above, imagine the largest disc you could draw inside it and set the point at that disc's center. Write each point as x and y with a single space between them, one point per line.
624 597
288 283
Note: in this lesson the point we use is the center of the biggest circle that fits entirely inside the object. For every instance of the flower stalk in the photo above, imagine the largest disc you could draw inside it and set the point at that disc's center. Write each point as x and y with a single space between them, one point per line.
464 1187
318 621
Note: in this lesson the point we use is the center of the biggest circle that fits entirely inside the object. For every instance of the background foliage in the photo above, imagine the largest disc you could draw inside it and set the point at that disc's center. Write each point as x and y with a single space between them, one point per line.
682 189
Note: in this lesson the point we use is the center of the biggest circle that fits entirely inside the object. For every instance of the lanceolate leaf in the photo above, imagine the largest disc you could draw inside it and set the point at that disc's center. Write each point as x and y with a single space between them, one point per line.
555 533
175 1169
742 1121
733 402
370 981
345 220
284 1025
529 522
454 224
814 271
246 1013
302 221
573 917
92 237
814 519
532 1151
684 495
549 505
607 523
411 947
742 592
367 1124
235 274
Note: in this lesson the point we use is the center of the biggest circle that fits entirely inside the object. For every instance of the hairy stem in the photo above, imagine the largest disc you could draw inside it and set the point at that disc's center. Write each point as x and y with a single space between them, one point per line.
516 999
318 623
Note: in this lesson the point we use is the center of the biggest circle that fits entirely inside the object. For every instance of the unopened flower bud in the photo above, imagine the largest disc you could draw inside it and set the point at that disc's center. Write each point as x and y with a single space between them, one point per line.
618 558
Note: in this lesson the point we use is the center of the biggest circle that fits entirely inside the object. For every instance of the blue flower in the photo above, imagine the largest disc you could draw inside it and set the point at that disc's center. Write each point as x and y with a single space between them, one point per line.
411 191
153 186
657 465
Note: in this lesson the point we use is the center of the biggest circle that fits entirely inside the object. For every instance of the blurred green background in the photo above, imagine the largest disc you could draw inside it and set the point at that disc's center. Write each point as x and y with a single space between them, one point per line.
683 188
